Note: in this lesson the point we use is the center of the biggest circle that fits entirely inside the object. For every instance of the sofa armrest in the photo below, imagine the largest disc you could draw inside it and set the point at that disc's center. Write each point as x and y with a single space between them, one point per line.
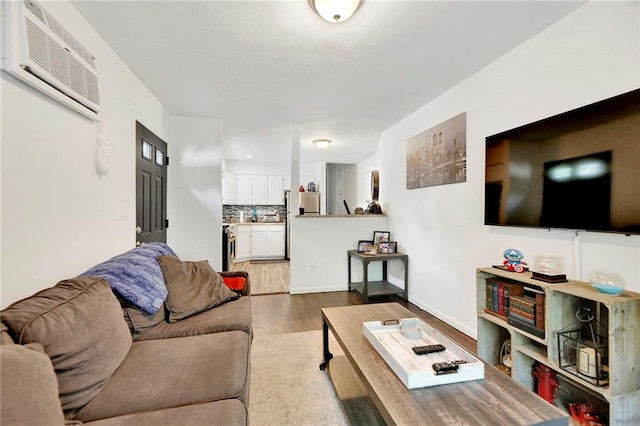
239 274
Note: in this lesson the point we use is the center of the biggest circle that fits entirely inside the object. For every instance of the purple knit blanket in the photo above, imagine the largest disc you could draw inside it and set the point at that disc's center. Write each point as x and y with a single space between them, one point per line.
136 275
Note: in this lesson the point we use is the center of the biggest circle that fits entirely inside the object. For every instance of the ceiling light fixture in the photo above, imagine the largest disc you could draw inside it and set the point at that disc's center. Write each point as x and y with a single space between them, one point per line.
321 143
335 10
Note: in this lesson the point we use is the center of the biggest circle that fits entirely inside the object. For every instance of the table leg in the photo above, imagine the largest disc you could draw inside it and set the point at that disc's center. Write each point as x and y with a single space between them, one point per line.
365 281
325 345
406 278
349 270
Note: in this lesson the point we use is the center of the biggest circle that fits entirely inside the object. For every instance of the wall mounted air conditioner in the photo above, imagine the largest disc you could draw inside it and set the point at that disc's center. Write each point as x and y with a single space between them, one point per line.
42 53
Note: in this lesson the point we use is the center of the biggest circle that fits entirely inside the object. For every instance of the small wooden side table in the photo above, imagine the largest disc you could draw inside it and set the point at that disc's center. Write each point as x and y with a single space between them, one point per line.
378 288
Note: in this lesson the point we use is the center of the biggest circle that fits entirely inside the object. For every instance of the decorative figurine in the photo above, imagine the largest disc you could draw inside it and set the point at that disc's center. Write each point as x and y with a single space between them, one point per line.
513 260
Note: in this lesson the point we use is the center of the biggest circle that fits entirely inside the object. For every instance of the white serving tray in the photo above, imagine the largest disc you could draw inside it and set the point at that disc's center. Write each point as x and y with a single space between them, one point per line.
416 371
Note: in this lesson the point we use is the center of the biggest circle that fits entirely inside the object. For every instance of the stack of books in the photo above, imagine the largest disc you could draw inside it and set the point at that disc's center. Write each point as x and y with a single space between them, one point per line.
521 306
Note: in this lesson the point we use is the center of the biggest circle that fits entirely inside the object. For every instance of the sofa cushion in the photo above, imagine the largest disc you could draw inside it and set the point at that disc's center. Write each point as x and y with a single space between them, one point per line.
192 287
231 316
5 338
136 275
158 374
230 412
79 323
28 387
140 321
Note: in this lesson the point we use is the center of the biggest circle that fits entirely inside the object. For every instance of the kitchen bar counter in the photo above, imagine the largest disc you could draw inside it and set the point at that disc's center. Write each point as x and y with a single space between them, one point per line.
340 216
253 223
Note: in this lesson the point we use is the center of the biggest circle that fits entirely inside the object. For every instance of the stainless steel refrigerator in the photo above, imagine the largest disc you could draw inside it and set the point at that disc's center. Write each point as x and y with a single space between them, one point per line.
287 228
310 201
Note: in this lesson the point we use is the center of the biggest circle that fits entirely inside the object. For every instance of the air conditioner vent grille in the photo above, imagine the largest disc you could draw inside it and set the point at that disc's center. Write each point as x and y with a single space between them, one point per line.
42 53
37 40
60 63
93 92
69 40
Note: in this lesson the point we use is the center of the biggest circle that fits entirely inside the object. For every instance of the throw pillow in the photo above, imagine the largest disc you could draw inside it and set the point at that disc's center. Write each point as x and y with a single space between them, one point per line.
138 320
136 275
192 287
235 283
28 387
79 323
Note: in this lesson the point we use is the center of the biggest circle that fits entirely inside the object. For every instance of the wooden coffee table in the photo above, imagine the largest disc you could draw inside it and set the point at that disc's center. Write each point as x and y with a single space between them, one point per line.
371 392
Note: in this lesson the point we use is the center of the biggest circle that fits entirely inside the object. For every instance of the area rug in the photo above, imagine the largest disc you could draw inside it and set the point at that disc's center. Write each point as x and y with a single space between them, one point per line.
287 385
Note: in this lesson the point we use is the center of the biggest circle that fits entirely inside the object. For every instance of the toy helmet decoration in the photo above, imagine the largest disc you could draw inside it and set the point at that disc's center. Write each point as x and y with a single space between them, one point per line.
513 255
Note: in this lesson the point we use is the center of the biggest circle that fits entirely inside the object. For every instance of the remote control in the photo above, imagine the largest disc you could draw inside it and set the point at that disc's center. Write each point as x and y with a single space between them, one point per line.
429 349
445 367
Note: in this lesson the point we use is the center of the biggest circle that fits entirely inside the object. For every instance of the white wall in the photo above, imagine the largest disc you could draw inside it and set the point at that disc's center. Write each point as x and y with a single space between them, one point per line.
58 217
194 193
589 55
319 251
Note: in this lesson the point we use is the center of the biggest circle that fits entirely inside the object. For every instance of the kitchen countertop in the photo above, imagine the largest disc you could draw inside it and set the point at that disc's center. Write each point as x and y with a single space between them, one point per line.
315 215
253 223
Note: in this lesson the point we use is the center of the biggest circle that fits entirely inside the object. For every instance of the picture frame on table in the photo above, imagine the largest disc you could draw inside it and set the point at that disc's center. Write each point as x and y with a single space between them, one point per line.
371 249
381 237
362 244
388 247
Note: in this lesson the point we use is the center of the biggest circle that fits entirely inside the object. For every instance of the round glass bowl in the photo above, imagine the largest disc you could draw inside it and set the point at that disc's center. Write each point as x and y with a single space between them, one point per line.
610 284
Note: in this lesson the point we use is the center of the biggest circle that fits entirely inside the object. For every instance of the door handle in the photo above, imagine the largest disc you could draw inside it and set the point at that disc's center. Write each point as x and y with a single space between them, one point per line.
138 230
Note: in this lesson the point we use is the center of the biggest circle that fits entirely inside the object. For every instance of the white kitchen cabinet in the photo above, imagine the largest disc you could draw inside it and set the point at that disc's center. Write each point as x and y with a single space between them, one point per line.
275 241
276 192
259 189
258 241
243 242
286 183
229 188
243 187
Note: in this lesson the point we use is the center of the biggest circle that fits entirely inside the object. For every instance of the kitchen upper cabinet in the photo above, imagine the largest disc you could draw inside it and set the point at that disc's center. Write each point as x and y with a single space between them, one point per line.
276 191
286 183
253 189
229 188
244 189
259 189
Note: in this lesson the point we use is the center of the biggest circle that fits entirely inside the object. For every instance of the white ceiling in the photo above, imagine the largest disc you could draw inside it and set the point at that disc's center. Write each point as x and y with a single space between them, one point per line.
265 66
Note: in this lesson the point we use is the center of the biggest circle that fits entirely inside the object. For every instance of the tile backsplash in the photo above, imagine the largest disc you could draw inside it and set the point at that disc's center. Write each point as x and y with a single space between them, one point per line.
232 212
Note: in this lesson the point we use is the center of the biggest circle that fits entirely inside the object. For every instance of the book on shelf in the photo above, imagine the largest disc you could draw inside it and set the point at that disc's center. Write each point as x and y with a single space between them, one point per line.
531 329
540 312
498 296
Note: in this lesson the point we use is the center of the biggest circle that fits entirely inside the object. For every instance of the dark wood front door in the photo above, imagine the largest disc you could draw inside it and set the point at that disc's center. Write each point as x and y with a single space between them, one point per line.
151 187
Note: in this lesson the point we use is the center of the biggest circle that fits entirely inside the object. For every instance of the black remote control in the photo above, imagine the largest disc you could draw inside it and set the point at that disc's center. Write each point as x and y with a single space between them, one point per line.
429 349
445 367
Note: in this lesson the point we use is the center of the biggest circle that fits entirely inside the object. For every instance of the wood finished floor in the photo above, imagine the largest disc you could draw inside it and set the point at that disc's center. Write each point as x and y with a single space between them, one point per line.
266 278
292 313
275 311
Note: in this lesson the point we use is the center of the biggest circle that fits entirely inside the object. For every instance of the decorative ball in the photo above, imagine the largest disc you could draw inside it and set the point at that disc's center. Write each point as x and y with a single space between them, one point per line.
611 284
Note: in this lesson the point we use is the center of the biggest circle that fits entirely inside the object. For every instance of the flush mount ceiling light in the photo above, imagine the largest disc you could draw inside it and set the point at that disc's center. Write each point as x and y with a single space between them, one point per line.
321 143
335 10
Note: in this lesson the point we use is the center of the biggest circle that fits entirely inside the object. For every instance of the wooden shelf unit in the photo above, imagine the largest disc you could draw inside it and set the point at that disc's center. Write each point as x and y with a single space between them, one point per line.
620 315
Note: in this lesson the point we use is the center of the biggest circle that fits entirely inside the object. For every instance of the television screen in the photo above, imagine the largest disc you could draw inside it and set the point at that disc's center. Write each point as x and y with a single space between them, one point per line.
577 170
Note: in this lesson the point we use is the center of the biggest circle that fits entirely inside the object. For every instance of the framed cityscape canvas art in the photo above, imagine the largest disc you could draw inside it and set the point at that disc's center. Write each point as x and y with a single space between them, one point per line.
438 156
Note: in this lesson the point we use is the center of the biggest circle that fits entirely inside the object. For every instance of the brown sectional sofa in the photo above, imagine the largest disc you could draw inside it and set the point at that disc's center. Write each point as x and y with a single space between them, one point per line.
80 353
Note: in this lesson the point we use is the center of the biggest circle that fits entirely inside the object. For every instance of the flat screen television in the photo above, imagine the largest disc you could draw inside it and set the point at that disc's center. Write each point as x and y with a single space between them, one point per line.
576 170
